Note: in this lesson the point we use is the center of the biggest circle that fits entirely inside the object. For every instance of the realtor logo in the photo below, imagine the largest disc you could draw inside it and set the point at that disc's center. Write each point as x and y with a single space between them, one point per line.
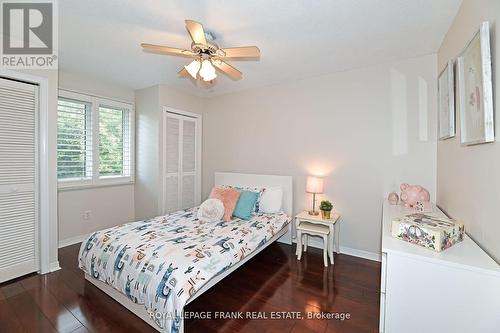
28 34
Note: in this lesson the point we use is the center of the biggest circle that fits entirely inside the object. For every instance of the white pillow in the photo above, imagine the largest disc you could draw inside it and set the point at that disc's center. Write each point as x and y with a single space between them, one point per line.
211 210
271 200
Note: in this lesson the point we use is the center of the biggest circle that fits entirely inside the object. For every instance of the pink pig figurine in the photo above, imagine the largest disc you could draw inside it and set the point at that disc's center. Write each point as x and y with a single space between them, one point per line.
411 194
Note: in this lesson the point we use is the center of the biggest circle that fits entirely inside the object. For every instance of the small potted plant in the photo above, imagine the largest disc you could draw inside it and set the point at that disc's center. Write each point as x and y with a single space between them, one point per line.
326 208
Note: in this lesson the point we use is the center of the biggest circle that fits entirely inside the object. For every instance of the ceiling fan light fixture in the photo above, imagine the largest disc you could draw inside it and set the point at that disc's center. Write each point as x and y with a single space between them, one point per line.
206 56
207 71
210 77
193 68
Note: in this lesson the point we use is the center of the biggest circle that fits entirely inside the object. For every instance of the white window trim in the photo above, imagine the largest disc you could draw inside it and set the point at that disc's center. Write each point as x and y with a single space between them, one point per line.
96 180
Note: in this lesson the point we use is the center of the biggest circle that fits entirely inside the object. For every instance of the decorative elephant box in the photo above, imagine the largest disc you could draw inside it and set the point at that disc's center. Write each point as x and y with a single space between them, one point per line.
429 231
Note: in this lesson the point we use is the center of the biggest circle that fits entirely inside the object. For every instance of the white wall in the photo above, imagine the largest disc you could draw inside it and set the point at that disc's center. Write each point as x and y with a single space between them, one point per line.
79 83
149 143
364 130
147 119
108 206
468 177
180 100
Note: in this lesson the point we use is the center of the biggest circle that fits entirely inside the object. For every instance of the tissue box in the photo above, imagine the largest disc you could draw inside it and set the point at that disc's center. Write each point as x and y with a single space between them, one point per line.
435 233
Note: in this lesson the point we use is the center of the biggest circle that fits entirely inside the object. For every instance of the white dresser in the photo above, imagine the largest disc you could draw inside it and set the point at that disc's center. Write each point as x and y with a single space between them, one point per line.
457 290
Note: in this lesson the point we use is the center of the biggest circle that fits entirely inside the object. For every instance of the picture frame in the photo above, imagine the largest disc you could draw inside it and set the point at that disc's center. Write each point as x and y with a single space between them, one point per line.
476 90
446 102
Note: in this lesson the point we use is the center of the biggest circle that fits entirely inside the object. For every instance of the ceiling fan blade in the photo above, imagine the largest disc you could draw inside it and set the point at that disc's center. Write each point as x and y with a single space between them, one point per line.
167 50
242 52
183 72
227 69
196 31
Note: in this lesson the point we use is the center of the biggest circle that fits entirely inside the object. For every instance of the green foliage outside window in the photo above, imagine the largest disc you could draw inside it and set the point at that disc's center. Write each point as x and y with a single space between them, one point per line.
72 139
111 141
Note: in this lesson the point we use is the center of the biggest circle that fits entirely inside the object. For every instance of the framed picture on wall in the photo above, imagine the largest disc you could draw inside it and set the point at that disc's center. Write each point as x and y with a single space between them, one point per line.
476 90
446 102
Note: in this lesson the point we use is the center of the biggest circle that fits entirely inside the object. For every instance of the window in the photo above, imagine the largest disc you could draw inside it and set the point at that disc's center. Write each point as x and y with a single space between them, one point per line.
74 140
114 142
94 141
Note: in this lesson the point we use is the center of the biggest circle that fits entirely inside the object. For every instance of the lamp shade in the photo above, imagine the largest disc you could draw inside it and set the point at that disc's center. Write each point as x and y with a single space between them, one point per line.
193 68
207 71
314 184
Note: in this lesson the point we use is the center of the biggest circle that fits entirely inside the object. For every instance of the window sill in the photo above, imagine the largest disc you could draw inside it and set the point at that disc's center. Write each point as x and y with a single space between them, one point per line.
75 187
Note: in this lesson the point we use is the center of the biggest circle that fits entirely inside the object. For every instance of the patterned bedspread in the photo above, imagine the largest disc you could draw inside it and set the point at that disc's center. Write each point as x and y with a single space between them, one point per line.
162 261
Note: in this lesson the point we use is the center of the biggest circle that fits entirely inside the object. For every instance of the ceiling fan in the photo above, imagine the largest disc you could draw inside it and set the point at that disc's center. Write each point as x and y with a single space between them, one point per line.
207 55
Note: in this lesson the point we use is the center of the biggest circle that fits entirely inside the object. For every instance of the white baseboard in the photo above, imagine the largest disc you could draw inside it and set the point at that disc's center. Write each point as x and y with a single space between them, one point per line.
317 243
54 266
72 240
360 253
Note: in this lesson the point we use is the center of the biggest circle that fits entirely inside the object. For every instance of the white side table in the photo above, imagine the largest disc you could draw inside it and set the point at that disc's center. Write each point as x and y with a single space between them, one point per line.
314 225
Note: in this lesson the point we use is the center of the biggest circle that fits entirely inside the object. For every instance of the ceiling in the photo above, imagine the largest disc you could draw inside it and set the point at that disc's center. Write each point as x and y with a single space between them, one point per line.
298 39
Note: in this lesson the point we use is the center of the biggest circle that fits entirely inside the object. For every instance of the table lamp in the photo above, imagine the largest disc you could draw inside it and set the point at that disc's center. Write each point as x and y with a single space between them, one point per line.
314 185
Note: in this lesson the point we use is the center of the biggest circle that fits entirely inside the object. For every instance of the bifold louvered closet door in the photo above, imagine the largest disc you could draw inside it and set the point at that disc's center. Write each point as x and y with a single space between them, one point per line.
18 179
182 165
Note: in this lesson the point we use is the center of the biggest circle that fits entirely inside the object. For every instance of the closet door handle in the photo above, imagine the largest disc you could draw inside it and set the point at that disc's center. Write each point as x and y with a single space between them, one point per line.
14 189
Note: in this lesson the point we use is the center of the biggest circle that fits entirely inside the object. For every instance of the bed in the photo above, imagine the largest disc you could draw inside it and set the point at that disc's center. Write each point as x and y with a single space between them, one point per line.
157 266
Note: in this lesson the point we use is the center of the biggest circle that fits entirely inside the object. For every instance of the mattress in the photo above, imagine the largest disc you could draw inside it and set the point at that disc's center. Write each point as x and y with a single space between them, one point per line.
162 262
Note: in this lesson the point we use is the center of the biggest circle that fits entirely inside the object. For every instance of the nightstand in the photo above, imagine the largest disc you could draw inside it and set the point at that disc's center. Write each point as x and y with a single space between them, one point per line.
313 225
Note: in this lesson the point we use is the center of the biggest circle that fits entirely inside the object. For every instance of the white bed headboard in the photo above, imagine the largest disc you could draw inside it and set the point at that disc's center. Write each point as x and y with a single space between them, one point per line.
246 179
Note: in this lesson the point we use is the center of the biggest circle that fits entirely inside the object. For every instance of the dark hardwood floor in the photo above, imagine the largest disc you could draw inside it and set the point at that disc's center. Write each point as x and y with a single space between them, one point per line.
272 282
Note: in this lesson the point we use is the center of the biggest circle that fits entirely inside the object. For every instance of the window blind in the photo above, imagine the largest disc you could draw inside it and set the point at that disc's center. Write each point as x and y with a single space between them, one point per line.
114 142
74 139
95 141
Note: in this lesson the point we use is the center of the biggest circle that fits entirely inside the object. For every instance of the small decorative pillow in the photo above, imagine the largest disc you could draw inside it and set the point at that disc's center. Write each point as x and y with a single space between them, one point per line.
271 200
259 190
211 210
246 205
229 197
